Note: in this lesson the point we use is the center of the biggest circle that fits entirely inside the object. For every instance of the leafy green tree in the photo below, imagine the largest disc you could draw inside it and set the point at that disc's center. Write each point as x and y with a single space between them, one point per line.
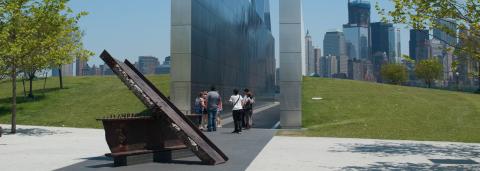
426 14
429 70
394 73
35 34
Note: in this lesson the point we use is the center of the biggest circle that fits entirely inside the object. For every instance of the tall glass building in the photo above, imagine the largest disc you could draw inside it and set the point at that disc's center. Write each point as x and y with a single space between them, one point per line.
334 44
419 44
357 31
357 40
224 43
359 12
384 40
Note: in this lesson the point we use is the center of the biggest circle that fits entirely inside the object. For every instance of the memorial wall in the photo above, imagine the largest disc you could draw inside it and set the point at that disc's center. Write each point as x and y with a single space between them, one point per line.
225 43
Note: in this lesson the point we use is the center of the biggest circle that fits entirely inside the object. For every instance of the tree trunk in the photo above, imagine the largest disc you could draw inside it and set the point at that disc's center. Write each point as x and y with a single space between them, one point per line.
24 89
478 91
45 82
14 98
60 76
30 79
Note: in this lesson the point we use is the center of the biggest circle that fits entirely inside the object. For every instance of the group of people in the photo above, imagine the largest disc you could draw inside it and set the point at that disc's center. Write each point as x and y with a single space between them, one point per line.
210 105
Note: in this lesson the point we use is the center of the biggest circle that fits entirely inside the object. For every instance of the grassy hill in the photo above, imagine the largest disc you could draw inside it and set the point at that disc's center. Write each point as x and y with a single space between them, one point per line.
369 110
82 100
348 109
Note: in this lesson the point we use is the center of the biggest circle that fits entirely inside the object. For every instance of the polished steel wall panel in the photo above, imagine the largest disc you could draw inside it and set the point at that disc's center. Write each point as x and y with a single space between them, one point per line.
229 46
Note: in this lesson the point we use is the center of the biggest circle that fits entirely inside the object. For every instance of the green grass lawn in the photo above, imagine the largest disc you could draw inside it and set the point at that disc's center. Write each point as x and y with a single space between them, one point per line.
368 110
77 105
349 109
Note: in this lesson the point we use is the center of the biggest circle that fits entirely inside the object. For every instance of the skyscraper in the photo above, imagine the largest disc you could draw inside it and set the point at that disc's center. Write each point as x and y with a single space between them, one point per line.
419 44
309 55
359 13
383 40
357 31
334 44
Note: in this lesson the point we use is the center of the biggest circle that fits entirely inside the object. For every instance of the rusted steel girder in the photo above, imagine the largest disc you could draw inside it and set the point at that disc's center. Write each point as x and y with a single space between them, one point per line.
154 131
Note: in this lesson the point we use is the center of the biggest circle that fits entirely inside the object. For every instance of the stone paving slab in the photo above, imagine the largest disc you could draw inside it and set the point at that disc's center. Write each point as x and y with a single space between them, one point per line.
48 148
305 153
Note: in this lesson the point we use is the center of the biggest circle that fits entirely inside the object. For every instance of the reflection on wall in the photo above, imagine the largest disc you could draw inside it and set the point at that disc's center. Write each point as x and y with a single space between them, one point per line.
225 43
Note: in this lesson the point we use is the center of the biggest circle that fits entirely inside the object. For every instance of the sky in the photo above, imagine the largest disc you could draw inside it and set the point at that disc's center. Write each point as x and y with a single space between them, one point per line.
128 29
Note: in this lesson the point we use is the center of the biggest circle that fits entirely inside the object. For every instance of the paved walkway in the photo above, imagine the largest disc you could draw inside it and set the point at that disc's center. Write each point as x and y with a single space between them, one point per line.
48 148
302 153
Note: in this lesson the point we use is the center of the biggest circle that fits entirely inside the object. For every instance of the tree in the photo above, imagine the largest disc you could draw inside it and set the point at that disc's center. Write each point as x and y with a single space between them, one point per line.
394 73
429 70
426 14
3 70
58 37
35 34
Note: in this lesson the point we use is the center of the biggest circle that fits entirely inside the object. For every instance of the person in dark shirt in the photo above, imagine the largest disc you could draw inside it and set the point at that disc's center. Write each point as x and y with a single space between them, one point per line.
214 102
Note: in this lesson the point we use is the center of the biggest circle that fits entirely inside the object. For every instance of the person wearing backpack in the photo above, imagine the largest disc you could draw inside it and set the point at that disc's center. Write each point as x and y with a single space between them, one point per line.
237 101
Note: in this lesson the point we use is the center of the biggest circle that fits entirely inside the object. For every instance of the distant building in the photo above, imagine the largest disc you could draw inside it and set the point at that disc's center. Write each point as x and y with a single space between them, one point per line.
384 40
147 64
379 60
399 47
96 71
342 66
466 65
309 55
317 53
167 60
334 44
357 31
357 41
67 71
449 37
106 70
359 12
442 47
360 70
165 67
419 44
328 66
82 68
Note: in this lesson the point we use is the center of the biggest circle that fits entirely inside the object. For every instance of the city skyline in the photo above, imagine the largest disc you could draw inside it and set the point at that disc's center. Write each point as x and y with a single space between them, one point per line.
142 29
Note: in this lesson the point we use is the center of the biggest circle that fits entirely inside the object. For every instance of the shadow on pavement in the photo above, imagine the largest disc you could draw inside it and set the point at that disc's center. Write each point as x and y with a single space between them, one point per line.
411 166
388 149
34 132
